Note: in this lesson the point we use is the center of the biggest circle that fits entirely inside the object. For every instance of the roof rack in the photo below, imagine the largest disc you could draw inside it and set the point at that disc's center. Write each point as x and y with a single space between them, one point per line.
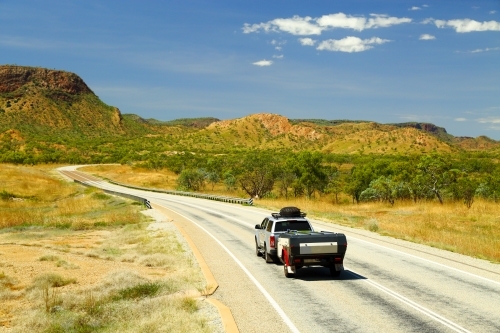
278 215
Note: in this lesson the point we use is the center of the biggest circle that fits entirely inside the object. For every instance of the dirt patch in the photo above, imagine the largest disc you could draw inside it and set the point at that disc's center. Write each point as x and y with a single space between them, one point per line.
71 255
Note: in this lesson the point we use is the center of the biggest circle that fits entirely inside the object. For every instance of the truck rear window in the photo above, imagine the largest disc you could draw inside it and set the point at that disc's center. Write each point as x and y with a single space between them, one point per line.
292 225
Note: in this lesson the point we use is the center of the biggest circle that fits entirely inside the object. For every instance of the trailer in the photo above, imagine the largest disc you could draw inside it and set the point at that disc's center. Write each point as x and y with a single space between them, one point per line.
297 249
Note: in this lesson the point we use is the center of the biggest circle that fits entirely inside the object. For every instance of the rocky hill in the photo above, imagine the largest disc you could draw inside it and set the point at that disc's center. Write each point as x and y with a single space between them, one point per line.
38 104
39 101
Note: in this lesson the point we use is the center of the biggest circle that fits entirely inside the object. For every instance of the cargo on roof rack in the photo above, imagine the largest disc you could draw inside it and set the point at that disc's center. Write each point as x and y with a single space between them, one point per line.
289 212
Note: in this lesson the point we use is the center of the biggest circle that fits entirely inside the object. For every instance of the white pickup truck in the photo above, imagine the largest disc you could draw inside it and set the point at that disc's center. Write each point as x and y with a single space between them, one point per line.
289 236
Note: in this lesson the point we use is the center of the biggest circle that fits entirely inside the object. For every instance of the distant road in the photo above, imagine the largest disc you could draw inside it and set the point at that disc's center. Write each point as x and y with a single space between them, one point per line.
388 286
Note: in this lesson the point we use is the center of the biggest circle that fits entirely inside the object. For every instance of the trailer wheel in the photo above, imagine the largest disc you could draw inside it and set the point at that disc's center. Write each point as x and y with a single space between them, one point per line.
257 252
267 256
334 272
285 269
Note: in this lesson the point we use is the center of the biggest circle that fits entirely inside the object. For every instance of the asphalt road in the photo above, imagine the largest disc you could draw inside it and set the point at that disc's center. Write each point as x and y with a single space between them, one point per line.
388 285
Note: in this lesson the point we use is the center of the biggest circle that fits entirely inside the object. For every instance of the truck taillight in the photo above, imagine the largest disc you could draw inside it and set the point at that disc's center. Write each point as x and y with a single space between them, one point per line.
272 242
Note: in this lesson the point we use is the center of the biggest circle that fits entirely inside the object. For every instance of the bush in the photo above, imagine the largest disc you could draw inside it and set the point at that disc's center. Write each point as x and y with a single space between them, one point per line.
139 291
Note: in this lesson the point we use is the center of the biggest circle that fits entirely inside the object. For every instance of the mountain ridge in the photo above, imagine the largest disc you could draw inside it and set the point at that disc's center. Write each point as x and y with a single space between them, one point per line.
38 102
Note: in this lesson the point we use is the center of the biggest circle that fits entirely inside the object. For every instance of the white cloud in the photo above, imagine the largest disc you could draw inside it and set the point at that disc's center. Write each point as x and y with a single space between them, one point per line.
278 56
296 26
307 41
468 25
278 48
460 119
493 11
263 63
384 21
350 44
425 6
341 20
305 26
415 8
485 50
489 120
426 37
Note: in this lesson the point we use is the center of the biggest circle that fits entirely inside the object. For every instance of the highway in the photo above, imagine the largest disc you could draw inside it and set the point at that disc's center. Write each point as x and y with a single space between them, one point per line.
388 285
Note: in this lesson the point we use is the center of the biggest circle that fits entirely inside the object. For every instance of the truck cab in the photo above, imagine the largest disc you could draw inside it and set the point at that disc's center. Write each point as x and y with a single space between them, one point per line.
269 230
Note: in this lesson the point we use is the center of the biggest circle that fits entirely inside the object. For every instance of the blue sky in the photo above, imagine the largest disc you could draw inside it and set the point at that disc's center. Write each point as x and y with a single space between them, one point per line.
386 61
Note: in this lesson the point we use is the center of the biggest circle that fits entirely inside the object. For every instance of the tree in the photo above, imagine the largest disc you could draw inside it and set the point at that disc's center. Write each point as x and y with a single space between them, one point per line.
191 180
335 184
311 174
259 174
435 174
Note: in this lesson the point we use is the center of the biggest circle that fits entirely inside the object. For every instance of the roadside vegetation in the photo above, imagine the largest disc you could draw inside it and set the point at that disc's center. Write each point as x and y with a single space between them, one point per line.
74 259
450 202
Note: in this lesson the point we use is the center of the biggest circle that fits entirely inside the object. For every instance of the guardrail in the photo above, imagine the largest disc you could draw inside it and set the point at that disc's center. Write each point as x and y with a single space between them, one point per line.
144 201
191 194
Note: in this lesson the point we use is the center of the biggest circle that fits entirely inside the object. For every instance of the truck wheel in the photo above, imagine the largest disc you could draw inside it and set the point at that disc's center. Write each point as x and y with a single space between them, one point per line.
267 256
288 275
257 252
334 272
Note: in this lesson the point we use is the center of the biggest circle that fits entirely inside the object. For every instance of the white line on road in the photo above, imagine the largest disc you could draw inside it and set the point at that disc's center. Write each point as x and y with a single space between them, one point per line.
416 306
274 304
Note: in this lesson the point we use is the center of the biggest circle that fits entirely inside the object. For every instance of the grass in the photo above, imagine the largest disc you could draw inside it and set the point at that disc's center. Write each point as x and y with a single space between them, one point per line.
474 232
37 197
40 207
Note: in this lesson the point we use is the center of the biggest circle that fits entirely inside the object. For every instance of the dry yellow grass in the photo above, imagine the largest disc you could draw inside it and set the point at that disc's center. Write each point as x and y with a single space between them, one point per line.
474 232
35 196
129 278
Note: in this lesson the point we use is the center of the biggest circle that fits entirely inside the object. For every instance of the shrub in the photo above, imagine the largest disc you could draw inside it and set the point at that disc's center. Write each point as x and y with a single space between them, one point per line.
139 291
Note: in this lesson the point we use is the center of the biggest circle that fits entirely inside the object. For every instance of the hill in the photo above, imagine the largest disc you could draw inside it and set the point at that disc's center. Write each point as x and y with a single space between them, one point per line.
45 102
43 110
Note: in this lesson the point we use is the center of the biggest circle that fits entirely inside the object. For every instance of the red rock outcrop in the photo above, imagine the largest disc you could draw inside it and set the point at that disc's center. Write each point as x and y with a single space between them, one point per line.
14 77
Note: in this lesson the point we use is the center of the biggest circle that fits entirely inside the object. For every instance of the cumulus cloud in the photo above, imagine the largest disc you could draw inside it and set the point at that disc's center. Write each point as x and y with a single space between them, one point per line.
263 63
485 50
296 26
460 119
350 44
307 41
426 37
467 25
493 11
343 21
384 21
305 26
415 8
278 56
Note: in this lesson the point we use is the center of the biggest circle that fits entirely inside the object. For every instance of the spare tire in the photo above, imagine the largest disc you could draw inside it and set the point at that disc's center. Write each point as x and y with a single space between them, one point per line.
290 212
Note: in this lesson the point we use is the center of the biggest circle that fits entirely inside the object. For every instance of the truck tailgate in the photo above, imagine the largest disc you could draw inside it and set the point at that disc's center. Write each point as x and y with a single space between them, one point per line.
316 248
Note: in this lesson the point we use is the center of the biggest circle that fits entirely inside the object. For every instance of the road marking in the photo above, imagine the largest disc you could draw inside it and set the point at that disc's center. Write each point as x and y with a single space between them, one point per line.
361 240
274 304
416 306
286 319
427 260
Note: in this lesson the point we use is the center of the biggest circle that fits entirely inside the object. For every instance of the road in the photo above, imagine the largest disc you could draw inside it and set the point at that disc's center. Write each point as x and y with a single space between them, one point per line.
388 285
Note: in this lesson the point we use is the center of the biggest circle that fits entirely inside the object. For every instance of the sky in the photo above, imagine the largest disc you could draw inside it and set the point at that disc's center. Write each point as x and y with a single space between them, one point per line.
387 61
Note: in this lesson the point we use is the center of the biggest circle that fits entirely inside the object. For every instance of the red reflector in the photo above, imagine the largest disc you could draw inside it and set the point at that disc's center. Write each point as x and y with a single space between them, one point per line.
338 259
296 260
272 242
